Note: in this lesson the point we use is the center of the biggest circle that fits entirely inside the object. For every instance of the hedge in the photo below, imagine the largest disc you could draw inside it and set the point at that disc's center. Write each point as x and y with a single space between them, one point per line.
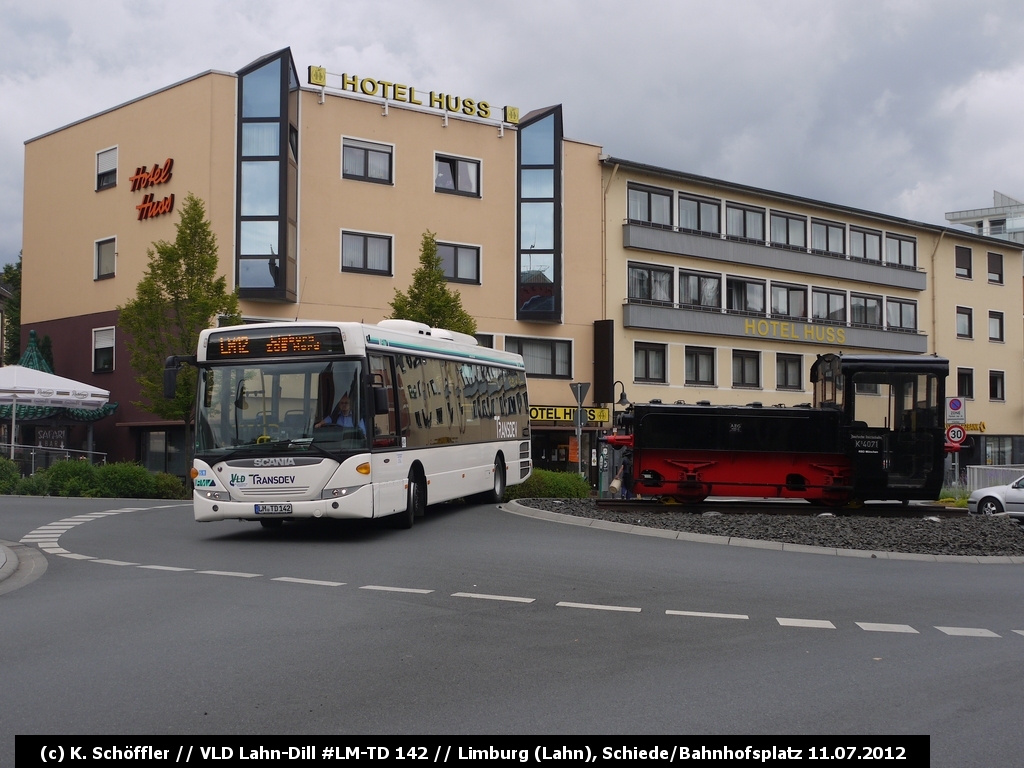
543 484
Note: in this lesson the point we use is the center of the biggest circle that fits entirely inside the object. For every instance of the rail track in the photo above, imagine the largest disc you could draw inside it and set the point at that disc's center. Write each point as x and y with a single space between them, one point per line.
783 507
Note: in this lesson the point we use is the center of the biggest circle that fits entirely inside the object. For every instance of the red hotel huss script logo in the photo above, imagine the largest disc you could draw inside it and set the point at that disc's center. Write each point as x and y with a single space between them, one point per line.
150 206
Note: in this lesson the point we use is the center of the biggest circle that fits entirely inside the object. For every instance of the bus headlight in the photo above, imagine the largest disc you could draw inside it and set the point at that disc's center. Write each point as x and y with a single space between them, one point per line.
218 495
338 493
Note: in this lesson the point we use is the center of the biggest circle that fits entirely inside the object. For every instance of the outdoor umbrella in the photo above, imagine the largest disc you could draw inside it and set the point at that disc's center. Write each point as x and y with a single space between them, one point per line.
27 386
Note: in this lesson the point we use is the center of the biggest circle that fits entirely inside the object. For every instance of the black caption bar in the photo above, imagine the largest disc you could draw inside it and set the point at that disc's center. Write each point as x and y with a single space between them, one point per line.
231 751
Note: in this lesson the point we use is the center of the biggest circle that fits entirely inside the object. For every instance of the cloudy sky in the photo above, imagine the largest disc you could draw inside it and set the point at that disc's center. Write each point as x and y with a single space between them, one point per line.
907 107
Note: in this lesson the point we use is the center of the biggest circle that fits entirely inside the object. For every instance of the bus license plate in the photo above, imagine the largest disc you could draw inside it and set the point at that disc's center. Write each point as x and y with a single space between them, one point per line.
273 509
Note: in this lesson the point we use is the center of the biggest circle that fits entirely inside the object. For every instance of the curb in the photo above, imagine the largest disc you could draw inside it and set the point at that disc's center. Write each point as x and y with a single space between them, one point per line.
8 562
556 517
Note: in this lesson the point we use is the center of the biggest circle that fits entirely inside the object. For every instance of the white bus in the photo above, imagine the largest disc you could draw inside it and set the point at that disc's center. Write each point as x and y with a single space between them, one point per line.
344 420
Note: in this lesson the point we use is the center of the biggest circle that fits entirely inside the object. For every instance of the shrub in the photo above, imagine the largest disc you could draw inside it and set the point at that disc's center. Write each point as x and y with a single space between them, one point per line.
33 485
125 479
168 486
543 484
71 478
10 474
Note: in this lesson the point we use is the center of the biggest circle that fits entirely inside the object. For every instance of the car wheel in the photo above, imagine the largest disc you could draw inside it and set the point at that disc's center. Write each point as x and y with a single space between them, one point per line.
990 506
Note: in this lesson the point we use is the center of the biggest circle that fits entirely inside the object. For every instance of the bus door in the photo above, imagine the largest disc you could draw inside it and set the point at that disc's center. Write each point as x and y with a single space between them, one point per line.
389 470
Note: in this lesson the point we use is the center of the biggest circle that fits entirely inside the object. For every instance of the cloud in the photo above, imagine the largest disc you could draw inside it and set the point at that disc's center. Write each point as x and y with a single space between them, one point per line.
900 107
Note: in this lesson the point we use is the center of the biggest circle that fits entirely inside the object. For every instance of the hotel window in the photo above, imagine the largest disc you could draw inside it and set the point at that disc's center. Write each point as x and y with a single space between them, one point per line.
995 268
700 290
747 223
865 244
366 161
700 366
106 258
457 176
746 369
539 282
995 326
789 301
699 215
485 339
789 230
460 263
866 310
964 323
963 262
266 234
900 251
965 383
648 283
106 169
828 306
996 386
787 372
901 315
365 253
102 350
745 296
647 204
828 237
649 363
544 358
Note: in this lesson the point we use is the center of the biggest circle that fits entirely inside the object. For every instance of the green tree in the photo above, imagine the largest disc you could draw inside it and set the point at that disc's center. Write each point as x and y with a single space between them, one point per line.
12 330
429 300
180 294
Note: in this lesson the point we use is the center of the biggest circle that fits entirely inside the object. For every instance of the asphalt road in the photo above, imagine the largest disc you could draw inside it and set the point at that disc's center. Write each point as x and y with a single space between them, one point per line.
144 621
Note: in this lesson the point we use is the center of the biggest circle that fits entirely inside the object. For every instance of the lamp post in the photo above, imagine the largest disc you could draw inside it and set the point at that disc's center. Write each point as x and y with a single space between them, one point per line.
623 401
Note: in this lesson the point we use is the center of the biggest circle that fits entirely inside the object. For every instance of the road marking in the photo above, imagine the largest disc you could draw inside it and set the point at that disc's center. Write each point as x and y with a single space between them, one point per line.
1019 631
165 568
111 562
398 589
867 626
702 614
310 581
233 573
967 632
599 607
53 550
812 623
74 556
494 597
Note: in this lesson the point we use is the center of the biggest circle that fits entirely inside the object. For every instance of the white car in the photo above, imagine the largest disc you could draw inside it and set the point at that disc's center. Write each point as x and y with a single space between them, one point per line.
998 499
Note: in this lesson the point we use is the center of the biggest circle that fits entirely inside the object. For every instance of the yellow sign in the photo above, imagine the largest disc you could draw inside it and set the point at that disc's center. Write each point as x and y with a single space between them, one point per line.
447 102
979 427
784 329
566 413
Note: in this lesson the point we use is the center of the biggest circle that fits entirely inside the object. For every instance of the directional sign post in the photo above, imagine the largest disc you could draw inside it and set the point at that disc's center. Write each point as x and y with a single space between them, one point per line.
579 391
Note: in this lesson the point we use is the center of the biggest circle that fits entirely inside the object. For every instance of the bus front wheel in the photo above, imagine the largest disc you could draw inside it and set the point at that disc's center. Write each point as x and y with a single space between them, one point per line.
416 502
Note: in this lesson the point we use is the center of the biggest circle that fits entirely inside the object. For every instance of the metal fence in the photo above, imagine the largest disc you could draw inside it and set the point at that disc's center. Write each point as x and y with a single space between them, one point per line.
30 458
982 476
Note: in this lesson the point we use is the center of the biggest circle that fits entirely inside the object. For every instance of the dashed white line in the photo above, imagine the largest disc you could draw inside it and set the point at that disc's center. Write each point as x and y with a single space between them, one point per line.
76 556
625 608
111 562
233 573
868 626
1018 631
506 598
810 623
165 568
398 589
705 615
310 581
967 632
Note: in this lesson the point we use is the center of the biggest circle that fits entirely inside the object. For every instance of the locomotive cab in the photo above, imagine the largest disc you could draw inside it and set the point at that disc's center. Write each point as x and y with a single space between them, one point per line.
892 430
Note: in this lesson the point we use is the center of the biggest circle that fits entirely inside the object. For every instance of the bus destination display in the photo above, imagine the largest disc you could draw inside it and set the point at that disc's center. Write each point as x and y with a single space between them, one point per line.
273 343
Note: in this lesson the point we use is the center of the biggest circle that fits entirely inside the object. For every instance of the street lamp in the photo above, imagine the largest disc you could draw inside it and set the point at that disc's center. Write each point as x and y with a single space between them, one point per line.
623 401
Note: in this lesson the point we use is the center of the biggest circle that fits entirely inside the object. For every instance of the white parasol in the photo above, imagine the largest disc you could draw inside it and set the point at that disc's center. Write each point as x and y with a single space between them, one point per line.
29 387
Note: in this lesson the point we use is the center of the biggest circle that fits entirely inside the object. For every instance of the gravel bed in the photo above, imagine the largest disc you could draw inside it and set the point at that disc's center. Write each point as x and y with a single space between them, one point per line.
917 535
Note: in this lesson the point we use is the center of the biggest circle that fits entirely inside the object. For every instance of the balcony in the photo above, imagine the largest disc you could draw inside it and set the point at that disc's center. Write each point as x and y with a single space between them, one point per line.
755 253
712 321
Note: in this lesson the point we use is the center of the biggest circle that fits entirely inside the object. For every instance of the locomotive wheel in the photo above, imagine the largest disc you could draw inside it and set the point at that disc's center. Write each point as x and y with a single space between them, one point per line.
684 499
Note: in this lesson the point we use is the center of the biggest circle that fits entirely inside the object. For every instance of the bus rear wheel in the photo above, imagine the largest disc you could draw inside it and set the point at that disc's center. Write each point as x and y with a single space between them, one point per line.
497 492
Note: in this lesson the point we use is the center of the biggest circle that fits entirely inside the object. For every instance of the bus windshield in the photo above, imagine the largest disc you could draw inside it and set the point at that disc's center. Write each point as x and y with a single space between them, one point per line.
289 407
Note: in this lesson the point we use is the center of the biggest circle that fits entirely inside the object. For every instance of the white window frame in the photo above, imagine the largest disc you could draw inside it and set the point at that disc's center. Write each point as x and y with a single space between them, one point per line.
364 271
112 330
96 182
366 178
479 261
651 346
457 192
96 258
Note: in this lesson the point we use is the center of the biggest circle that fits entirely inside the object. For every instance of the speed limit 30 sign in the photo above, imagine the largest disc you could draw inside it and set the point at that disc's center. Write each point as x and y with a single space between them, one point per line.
956 434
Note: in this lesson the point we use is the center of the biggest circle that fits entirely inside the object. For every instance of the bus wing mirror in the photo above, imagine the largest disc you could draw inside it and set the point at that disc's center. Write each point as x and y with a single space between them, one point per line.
171 367
380 400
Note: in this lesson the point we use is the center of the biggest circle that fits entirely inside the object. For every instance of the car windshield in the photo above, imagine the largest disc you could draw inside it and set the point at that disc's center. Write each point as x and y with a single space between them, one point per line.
293 407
